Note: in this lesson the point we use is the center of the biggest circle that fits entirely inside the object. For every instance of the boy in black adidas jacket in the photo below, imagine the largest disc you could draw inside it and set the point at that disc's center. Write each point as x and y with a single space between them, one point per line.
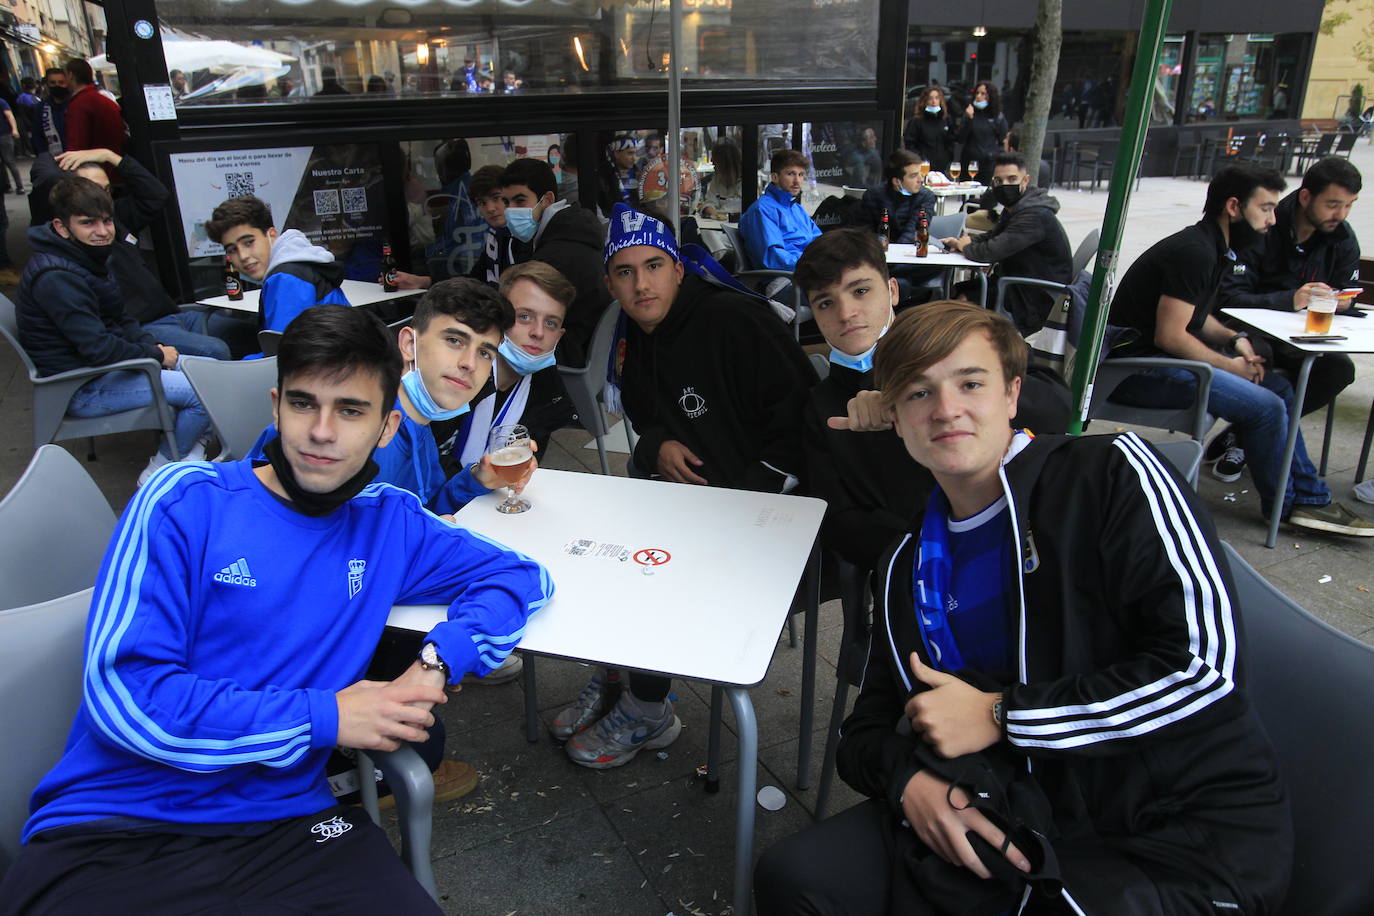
1053 700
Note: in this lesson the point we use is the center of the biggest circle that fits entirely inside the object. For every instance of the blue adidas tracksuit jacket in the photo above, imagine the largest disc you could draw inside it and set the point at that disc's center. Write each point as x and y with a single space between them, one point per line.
776 230
222 625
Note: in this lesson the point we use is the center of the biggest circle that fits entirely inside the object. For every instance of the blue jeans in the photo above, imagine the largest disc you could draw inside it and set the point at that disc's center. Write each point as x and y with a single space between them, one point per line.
126 389
186 331
1259 414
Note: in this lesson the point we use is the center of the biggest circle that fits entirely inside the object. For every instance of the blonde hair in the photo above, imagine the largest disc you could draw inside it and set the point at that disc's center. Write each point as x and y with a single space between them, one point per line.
541 275
926 334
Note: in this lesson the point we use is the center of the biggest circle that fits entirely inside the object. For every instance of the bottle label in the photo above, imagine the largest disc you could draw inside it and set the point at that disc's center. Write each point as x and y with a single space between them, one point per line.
389 278
231 285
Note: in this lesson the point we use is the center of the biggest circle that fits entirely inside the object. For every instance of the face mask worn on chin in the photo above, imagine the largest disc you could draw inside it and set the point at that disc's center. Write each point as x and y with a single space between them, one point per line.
1243 235
522 362
316 504
864 361
981 104
1007 194
932 109
414 385
521 222
98 253
904 192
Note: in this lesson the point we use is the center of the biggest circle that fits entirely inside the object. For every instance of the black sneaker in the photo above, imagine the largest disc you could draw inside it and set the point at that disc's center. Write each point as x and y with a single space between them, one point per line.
1221 442
1229 466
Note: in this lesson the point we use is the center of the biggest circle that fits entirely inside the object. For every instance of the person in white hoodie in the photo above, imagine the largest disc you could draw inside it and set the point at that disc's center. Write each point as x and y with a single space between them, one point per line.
294 274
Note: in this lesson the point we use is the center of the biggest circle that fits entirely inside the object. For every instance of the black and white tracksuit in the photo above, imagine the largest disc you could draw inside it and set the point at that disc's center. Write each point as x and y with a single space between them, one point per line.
1129 709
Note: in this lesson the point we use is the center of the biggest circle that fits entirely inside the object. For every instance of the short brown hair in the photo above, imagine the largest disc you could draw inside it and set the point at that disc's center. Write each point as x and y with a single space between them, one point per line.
785 158
238 211
831 253
485 182
926 334
543 276
898 162
72 195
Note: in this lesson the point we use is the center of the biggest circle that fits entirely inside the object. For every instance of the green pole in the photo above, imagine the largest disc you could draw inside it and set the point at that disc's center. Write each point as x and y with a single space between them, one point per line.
1133 129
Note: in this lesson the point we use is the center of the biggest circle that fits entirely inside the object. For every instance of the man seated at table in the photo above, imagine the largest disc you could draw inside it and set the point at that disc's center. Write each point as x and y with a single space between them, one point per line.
715 385
1028 241
565 237
1310 249
70 313
1167 298
294 274
1053 716
906 200
190 329
234 616
525 386
868 482
776 228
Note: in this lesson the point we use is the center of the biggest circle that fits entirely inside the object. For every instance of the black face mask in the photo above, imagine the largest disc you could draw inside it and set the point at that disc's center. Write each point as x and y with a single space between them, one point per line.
316 504
1243 235
58 94
1007 194
97 253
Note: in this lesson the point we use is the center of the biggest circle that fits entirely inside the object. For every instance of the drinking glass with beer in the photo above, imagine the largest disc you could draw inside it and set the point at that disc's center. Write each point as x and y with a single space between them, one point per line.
954 169
925 170
511 452
1321 306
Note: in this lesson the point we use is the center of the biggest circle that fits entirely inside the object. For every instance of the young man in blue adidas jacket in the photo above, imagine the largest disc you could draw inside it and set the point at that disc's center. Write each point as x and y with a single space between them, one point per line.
1053 717
236 610
776 228
294 274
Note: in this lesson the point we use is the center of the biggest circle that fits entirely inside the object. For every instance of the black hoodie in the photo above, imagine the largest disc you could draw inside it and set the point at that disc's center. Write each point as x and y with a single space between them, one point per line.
572 243
723 376
1028 241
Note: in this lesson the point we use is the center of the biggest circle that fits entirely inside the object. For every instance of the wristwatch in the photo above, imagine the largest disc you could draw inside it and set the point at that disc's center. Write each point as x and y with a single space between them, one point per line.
998 710
1240 335
430 660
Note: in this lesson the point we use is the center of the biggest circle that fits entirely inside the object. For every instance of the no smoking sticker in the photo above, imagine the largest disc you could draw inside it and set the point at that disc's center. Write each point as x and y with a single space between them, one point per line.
652 556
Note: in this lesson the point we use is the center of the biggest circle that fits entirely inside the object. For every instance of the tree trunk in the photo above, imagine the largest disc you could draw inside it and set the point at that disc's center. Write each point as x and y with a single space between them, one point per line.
1048 38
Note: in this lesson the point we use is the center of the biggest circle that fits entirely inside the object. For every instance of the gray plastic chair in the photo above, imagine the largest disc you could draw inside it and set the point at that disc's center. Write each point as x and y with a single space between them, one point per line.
585 384
412 784
40 661
849 671
54 527
1313 687
949 226
52 394
1082 256
751 276
236 396
1193 419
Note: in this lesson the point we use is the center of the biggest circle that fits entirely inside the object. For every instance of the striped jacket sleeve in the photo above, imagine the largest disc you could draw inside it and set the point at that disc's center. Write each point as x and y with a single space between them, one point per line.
139 691
1170 600
490 589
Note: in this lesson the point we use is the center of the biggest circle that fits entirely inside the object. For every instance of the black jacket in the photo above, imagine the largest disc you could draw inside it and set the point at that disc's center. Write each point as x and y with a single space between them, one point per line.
547 408
1129 708
903 213
980 139
722 375
572 243
1270 271
932 138
1028 241
70 310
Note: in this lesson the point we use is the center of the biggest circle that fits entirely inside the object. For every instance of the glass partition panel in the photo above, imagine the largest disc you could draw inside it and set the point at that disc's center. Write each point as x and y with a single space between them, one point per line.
228 51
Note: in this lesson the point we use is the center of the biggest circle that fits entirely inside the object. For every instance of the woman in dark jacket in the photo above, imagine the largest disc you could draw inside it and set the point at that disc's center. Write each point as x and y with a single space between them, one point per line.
984 132
931 131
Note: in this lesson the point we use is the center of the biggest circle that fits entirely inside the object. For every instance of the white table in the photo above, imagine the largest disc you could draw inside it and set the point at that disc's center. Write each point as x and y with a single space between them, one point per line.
898 253
961 191
1360 339
711 611
359 292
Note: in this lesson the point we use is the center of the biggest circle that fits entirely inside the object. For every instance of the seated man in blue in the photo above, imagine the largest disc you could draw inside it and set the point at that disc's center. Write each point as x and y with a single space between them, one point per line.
234 615
294 273
776 228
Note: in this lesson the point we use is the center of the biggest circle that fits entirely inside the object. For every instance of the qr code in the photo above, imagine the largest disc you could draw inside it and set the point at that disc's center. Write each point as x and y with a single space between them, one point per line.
326 203
239 184
355 200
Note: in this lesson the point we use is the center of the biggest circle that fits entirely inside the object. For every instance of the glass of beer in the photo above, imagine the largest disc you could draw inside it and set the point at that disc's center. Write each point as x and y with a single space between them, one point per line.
972 169
954 169
925 169
511 452
1320 309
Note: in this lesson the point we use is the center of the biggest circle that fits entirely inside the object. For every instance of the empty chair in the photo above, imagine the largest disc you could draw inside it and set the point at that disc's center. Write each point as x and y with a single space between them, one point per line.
1344 144
52 394
1313 687
237 397
949 226
585 384
1193 419
1322 148
54 527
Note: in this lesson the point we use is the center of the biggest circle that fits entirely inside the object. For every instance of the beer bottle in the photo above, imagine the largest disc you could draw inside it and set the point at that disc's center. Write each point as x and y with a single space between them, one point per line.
388 269
233 286
883 230
923 238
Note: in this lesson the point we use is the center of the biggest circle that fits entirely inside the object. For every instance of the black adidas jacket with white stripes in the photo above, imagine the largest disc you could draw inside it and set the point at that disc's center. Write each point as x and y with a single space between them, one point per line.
1129 711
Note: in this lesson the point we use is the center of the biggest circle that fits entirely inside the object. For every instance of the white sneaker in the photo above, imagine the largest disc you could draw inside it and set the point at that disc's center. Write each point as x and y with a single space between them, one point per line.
1364 492
155 462
197 452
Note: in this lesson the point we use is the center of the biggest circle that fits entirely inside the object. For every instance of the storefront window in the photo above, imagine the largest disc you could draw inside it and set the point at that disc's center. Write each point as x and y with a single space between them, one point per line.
223 52
1245 76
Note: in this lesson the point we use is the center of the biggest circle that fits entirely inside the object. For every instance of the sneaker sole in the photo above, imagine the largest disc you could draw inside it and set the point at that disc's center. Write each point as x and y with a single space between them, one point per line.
1332 527
662 740
1356 494
1225 478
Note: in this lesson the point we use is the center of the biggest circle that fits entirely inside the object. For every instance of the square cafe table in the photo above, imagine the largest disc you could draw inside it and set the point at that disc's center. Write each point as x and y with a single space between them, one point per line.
1359 333
359 292
686 581
899 253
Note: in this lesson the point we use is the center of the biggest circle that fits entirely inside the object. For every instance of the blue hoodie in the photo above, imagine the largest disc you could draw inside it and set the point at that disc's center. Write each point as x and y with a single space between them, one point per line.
776 230
299 275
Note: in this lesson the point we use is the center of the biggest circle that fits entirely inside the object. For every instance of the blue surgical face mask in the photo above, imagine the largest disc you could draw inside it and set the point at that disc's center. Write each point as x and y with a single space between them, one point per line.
981 104
414 385
522 362
554 159
521 222
932 109
864 361
904 192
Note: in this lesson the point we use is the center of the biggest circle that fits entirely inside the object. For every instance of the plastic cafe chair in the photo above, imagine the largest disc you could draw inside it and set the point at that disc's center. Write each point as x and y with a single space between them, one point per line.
586 384
269 341
753 277
856 607
236 396
1193 419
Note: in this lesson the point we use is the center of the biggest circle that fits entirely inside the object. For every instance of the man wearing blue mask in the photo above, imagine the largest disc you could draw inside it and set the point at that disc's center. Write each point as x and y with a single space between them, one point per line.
565 237
1028 241
906 200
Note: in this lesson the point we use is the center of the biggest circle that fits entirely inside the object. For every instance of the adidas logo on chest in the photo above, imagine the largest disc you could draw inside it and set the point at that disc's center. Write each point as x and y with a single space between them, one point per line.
237 573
